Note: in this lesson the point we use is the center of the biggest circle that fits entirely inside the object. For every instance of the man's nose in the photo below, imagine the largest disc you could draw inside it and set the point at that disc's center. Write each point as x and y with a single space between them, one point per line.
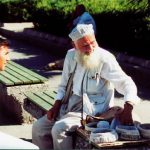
90 48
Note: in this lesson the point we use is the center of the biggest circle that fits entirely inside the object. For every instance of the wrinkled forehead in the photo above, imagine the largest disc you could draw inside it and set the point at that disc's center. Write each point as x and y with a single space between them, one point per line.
86 39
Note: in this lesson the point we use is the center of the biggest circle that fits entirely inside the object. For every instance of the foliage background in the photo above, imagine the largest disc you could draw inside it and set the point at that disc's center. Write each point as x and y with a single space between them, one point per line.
122 25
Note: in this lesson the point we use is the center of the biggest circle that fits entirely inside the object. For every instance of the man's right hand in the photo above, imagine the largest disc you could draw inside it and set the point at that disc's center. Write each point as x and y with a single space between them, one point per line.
54 111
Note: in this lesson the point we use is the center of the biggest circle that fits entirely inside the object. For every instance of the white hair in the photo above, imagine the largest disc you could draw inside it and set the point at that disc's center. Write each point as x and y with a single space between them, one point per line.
89 61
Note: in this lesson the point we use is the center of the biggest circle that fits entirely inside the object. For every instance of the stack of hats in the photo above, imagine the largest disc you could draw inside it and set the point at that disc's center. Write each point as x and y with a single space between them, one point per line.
102 133
144 130
128 132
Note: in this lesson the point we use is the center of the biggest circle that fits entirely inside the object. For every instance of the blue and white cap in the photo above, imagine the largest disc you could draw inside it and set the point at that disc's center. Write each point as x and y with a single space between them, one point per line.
80 31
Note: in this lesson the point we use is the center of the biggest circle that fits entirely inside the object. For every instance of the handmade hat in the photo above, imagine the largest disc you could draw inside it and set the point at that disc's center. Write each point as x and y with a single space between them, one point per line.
80 31
144 130
103 124
103 135
91 126
128 132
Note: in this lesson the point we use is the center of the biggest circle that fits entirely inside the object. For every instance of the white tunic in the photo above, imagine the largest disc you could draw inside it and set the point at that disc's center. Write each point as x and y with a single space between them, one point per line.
99 83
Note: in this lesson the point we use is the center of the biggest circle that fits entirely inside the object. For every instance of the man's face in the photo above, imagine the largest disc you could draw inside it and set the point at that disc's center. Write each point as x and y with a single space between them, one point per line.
87 53
4 57
86 44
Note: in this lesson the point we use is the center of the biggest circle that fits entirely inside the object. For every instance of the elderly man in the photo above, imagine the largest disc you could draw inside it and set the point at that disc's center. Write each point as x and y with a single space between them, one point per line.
8 141
96 75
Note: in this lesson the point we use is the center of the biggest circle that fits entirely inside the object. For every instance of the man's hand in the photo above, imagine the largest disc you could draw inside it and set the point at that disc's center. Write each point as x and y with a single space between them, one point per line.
54 111
125 117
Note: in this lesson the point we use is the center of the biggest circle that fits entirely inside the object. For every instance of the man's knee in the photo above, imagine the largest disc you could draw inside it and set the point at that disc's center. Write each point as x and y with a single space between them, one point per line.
36 128
56 129
59 128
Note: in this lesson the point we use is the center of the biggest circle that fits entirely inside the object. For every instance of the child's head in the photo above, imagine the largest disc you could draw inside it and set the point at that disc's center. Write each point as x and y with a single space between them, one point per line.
4 53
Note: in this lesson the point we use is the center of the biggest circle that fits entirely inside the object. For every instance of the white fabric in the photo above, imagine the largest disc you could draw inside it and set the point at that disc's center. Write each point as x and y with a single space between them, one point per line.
110 75
80 31
44 130
11 142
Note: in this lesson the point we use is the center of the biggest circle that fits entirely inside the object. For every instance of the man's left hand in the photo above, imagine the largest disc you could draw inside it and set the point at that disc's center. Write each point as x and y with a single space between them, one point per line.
125 117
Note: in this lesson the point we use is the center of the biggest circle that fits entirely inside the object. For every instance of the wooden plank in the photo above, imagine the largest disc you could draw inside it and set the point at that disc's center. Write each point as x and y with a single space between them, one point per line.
41 78
6 81
11 77
123 144
51 94
24 74
17 75
38 101
46 98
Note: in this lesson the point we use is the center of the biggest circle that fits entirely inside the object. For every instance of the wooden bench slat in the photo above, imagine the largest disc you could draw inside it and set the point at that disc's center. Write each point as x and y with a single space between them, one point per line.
33 79
22 78
51 94
37 100
48 99
41 78
5 81
11 77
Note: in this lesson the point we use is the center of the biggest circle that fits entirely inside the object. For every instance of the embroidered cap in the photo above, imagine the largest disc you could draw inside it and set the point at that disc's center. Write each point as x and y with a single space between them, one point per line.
128 132
80 31
103 135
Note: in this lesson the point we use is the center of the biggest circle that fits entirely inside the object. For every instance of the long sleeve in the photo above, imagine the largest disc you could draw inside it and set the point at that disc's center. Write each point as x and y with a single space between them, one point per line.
122 82
65 76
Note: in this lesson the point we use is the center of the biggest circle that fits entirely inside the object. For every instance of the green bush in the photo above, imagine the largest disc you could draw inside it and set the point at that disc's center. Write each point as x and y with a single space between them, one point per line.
122 25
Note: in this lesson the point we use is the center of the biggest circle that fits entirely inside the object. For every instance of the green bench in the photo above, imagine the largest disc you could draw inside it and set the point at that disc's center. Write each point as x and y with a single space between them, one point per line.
15 81
38 103
15 74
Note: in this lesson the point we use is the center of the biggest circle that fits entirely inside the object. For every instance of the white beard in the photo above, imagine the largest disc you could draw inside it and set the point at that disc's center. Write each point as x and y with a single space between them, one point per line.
89 61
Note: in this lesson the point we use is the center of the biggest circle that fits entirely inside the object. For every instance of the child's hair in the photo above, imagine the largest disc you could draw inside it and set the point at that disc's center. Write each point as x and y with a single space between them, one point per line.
3 42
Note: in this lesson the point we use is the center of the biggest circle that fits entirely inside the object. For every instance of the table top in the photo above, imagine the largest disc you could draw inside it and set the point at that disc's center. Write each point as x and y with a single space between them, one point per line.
118 144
